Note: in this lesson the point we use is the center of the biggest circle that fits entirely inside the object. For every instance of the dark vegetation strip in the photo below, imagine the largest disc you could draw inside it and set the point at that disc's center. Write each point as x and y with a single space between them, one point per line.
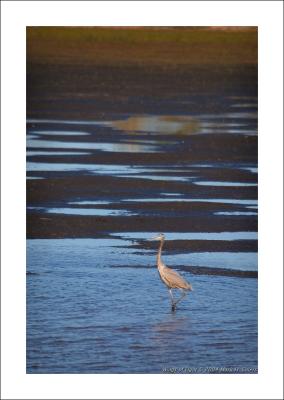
41 225
196 270
180 246
220 271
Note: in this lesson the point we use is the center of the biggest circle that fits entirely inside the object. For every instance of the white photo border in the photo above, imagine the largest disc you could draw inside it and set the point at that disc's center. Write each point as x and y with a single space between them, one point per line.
268 16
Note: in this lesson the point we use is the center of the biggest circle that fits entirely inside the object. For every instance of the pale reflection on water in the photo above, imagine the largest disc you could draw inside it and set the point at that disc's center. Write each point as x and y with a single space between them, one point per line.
185 125
159 124
171 325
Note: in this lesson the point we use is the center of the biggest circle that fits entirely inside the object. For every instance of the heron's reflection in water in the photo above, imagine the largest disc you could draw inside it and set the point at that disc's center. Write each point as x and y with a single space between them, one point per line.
174 328
174 332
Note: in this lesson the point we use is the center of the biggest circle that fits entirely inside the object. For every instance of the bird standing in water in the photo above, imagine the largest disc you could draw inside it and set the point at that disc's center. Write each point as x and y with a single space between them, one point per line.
170 277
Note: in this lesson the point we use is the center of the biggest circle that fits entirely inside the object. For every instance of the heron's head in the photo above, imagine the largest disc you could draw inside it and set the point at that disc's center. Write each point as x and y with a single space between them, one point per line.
161 236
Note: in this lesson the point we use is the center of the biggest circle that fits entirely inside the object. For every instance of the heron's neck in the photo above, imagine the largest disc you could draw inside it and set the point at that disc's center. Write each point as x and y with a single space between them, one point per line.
159 253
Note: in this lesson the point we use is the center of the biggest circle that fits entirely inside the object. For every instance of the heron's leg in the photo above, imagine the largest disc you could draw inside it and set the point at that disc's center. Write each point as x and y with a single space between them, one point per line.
184 293
172 300
171 296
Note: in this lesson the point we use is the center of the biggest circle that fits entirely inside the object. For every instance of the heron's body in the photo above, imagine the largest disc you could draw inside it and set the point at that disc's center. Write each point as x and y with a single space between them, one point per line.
169 277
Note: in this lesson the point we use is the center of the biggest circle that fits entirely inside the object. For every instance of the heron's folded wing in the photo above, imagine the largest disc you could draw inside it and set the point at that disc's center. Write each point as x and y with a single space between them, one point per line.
174 279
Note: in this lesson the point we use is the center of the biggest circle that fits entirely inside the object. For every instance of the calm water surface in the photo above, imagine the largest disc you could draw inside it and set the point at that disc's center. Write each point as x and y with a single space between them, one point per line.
96 306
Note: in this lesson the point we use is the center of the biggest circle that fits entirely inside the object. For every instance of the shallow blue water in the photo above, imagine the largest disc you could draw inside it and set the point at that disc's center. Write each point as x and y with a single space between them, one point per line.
95 306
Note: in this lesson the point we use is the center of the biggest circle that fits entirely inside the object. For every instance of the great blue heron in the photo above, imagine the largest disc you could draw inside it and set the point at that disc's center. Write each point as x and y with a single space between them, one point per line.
170 277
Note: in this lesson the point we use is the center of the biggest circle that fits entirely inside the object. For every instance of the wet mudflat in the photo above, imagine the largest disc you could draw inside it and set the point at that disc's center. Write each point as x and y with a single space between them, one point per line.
106 173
